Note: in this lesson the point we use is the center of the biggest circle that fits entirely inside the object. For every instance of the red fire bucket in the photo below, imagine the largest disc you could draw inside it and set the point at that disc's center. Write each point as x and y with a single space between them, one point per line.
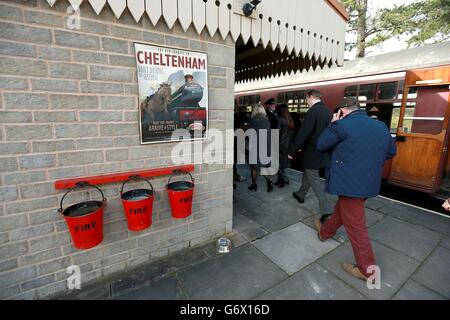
180 197
138 206
85 220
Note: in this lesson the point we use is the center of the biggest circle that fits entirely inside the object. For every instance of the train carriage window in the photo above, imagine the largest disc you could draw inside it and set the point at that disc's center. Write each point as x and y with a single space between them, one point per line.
301 96
426 115
387 91
367 92
280 98
351 91
395 118
294 99
291 97
249 101
412 92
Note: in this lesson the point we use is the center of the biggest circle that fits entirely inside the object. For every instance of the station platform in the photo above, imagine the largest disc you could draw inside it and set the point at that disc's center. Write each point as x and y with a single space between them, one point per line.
277 255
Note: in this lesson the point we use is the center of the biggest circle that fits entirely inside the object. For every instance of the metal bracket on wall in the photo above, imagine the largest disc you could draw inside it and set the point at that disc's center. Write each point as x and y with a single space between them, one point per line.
122 176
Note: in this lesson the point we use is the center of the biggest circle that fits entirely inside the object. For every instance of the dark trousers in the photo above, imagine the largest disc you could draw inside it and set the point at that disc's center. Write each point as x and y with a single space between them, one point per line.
350 213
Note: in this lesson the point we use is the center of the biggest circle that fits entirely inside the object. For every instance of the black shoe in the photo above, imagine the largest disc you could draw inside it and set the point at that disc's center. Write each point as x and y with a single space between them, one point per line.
279 181
253 187
324 218
269 186
283 183
298 198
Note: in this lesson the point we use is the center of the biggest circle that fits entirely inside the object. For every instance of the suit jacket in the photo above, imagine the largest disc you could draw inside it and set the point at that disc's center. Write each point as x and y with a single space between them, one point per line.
285 142
273 118
359 147
316 120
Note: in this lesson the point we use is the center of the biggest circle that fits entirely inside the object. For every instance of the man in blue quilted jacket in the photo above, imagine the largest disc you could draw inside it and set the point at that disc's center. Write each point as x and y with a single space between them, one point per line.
359 147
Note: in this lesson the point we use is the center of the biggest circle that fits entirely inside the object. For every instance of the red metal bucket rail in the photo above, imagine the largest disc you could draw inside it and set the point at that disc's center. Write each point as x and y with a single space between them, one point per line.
122 176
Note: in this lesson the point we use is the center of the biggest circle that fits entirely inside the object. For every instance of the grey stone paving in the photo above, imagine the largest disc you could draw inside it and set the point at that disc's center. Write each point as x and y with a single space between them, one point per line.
395 267
401 211
248 228
294 247
446 242
165 289
276 255
434 273
414 240
276 217
433 222
241 274
312 283
414 291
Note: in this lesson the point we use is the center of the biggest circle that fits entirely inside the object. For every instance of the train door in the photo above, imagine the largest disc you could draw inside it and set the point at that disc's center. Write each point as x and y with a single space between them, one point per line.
422 136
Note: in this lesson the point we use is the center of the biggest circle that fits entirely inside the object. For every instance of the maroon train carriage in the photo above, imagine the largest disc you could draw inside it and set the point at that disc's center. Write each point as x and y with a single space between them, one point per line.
407 90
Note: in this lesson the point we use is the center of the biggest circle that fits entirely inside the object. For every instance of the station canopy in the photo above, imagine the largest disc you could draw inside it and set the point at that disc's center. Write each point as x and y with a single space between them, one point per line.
279 37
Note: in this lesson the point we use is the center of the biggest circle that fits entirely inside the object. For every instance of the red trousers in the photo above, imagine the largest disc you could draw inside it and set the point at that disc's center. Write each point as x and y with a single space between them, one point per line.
350 213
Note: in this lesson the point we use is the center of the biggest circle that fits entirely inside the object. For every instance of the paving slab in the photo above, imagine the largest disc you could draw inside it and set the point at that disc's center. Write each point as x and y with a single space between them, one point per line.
291 205
377 203
242 274
401 211
251 200
277 195
433 222
276 217
311 204
434 273
413 240
312 283
415 291
165 289
446 242
248 228
395 268
293 174
239 207
157 270
295 247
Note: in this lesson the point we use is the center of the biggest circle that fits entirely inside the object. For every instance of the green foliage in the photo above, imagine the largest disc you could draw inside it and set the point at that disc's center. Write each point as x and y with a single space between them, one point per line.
421 21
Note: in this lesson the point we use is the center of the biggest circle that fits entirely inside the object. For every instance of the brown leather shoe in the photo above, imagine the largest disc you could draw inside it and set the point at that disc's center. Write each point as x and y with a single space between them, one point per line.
353 271
318 226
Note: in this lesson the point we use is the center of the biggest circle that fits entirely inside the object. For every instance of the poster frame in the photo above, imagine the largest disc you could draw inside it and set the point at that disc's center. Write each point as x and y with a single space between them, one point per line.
205 137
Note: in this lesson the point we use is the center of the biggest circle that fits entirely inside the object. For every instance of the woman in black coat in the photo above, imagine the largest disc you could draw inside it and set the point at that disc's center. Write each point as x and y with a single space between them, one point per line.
286 129
260 123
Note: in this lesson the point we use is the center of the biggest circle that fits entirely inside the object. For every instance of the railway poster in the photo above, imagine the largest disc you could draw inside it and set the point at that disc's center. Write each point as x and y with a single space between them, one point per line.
173 93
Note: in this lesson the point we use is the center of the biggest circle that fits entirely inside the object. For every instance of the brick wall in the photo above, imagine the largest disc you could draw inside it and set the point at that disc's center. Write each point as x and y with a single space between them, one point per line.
68 107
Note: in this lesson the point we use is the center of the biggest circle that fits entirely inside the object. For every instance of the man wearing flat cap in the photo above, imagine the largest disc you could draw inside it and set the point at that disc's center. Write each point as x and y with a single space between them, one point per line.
359 147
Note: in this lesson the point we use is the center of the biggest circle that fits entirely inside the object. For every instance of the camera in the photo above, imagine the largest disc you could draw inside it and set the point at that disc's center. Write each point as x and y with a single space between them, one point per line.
249 7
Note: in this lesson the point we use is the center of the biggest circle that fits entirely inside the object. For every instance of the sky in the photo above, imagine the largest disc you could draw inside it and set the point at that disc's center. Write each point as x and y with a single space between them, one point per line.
390 45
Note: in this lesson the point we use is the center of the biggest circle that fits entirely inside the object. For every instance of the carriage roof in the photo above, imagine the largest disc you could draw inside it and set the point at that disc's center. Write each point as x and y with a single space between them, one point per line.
399 61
